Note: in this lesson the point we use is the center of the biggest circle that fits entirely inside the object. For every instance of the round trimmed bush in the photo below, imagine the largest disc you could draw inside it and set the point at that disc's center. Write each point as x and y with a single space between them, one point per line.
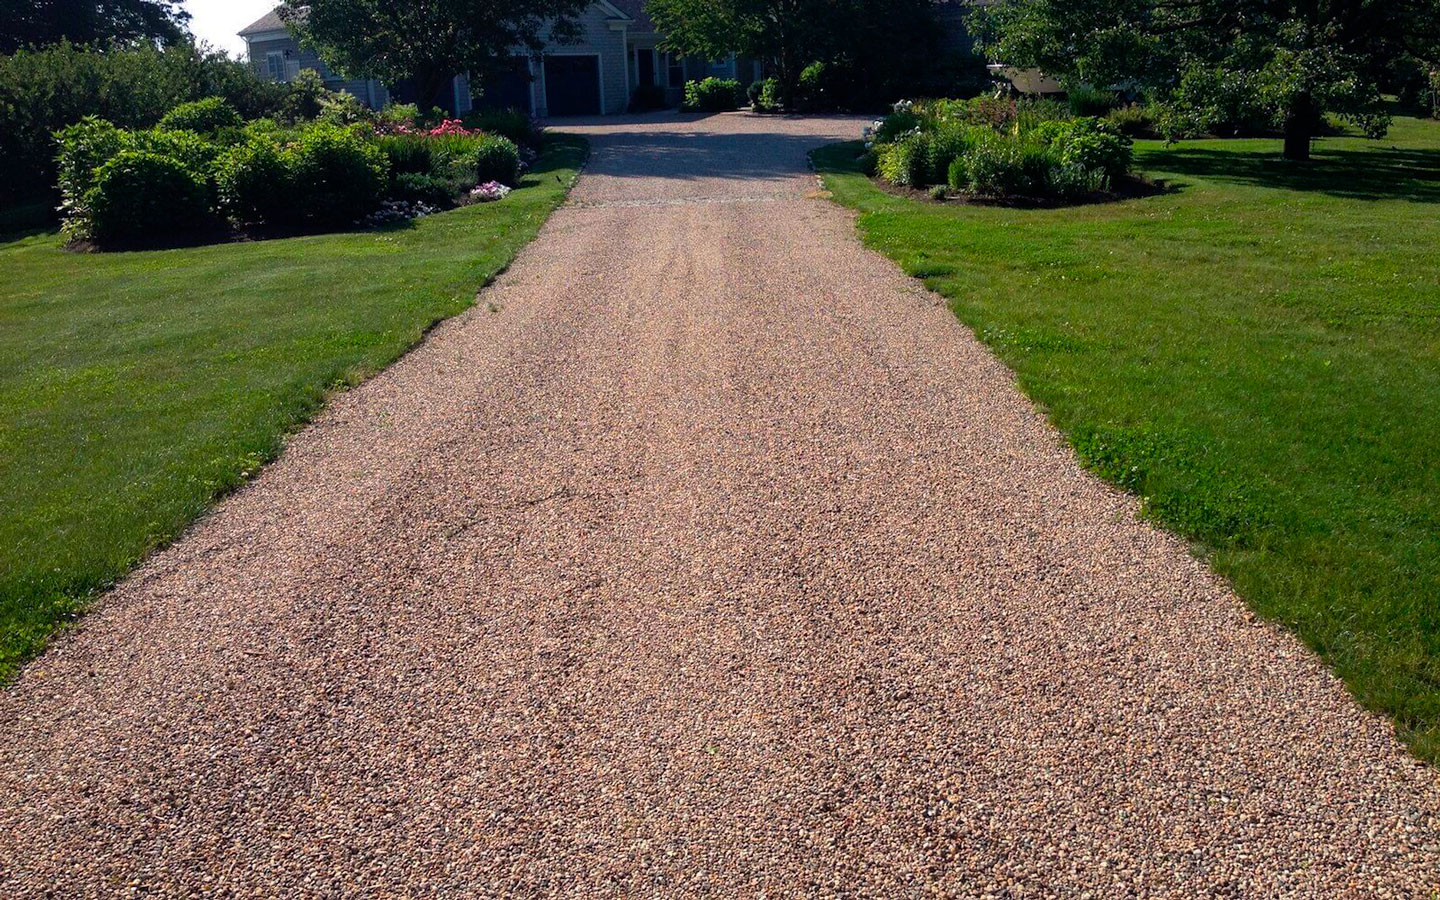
141 194
498 159
84 148
338 176
1091 147
420 188
254 183
202 116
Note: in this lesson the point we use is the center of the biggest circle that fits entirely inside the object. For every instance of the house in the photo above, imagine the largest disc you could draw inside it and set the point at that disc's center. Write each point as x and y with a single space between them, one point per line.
275 54
597 75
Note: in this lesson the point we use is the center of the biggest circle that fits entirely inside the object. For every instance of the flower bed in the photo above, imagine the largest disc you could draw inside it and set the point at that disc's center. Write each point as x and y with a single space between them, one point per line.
123 187
997 148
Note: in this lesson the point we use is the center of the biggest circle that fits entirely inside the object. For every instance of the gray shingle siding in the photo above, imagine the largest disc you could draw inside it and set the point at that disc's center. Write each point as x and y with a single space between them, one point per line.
597 38
296 58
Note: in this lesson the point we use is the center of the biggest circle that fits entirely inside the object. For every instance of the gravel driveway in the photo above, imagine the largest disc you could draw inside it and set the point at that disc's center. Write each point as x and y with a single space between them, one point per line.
707 555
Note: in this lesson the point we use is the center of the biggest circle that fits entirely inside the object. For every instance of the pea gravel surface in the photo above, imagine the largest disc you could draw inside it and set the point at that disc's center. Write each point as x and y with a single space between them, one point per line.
707 555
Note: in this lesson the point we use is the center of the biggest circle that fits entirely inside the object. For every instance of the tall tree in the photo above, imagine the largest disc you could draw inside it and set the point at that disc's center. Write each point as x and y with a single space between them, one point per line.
37 23
428 43
1290 61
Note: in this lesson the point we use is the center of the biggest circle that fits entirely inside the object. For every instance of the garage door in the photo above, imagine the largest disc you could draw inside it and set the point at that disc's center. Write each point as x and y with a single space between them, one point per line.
572 85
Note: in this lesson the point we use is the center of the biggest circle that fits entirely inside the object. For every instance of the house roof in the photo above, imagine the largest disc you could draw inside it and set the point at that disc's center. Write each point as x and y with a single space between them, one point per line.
269 22
635 9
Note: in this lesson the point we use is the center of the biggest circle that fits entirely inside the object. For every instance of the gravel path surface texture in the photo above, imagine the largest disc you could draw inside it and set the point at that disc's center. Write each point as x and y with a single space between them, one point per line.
707 555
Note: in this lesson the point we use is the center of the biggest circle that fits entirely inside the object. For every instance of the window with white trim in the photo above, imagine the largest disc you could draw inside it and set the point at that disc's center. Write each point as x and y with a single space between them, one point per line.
275 65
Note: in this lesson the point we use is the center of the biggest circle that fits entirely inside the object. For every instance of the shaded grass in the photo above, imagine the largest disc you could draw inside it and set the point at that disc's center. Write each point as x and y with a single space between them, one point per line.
1256 354
136 388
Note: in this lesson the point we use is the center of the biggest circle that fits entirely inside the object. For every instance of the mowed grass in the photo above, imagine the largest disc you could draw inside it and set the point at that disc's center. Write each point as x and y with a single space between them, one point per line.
1256 354
136 388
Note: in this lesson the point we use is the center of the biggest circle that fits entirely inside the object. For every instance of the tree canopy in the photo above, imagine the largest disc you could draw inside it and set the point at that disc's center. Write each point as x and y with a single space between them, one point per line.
876 40
1283 62
38 23
428 43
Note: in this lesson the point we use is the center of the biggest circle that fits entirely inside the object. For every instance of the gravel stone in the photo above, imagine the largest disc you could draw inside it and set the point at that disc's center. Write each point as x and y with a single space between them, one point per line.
707 555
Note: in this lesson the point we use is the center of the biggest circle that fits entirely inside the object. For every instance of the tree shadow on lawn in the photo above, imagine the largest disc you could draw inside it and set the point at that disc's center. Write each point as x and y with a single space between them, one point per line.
1389 173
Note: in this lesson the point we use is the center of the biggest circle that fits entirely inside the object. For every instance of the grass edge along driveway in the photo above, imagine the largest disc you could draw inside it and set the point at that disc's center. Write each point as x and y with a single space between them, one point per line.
1255 354
138 388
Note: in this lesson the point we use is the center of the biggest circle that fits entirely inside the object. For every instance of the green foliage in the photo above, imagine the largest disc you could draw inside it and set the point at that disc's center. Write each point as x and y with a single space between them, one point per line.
202 116
422 188
1084 100
344 108
1222 69
869 52
515 124
1086 144
37 23
764 95
142 194
1133 120
998 147
338 175
497 159
397 115
85 147
906 161
408 153
307 97
821 87
713 95
254 182
44 91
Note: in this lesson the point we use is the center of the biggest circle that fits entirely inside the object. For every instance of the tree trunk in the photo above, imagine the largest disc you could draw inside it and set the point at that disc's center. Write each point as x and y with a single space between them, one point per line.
1299 127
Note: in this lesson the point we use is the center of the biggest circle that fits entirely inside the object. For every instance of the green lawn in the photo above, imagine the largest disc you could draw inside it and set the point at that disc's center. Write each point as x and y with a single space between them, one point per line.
136 388
1256 354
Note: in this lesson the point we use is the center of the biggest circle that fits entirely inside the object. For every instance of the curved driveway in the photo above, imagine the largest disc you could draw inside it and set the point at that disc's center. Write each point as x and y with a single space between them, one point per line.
707 555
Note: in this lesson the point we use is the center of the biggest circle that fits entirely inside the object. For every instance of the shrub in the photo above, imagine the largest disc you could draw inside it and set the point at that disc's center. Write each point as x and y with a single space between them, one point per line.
342 108
254 183
713 95
515 124
1089 101
202 116
905 162
498 159
84 148
338 176
1134 120
307 94
765 95
814 88
88 145
998 166
830 85
398 117
408 154
418 188
1088 146
185 147
47 90
141 194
